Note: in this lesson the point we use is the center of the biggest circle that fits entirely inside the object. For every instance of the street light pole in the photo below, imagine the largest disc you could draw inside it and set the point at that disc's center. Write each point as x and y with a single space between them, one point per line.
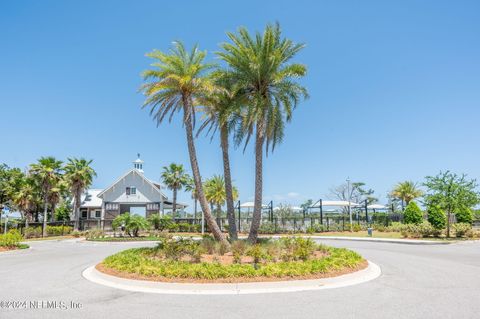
349 204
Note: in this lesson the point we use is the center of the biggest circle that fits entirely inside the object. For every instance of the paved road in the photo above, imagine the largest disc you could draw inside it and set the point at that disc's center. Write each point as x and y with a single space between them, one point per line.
417 282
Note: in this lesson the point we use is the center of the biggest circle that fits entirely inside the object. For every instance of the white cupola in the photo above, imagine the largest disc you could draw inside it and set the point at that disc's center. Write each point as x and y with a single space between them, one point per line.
138 164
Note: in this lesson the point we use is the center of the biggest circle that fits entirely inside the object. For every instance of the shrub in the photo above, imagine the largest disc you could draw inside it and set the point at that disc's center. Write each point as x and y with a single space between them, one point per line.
464 215
412 214
239 248
95 233
11 239
131 224
316 228
461 229
425 229
266 228
160 222
257 253
76 233
173 228
437 217
184 227
396 227
32 232
58 230
380 227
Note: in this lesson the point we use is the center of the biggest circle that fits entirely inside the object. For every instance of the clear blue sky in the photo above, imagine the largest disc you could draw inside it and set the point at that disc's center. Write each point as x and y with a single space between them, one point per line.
394 85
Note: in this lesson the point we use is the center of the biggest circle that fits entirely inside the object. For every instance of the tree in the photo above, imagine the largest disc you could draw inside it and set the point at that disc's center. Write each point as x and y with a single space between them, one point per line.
177 82
451 192
47 173
464 215
406 192
221 109
190 187
25 195
132 224
78 176
215 192
413 214
355 193
437 217
175 177
260 66
307 204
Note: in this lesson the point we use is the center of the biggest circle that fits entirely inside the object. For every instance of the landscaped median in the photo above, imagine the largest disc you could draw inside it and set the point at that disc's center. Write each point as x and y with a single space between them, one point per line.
11 241
206 261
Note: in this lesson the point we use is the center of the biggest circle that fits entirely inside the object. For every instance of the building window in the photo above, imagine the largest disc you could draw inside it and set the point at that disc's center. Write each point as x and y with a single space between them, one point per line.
127 191
98 214
84 214
133 190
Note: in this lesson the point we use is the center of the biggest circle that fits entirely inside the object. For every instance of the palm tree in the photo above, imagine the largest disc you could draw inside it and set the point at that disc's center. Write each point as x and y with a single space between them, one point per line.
406 192
221 109
175 177
190 187
25 197
57 194
260 65
47 173
178 82
78 176
215 191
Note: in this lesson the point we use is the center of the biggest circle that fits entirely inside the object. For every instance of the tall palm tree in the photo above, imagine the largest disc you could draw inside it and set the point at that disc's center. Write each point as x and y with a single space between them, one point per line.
175 177
406 191
221 110
57 194
25 196
177 81
47 173
215 191
78 176
260 65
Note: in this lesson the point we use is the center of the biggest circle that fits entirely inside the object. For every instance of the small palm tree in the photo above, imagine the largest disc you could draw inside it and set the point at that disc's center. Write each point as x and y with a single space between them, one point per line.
216 193
177 83
47 173
78 176
175 177
406 192
261 66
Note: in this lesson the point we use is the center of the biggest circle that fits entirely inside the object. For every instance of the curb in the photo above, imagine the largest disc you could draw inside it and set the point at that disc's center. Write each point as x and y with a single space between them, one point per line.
386 240
371 272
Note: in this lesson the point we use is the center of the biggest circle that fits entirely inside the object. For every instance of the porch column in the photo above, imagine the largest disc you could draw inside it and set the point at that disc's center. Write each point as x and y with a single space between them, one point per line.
102 217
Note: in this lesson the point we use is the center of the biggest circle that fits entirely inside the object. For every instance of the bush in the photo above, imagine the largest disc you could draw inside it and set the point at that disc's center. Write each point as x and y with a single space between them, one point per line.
11 239
266 228
396 227
412 214
437 217
95 233
464 215
160 222
58 230
32 232
425 229
131 224
461 229
316 228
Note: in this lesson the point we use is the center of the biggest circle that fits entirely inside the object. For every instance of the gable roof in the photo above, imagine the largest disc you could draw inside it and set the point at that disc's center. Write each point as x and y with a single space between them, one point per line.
134 171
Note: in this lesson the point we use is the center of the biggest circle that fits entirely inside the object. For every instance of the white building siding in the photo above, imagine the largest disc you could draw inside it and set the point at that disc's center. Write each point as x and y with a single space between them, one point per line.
145 191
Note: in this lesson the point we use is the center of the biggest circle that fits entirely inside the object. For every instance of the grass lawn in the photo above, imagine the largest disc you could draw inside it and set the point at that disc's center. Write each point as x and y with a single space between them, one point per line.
49 238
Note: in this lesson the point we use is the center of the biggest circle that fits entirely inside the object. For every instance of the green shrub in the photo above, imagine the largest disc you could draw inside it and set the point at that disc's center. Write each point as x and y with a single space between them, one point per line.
437 217
412 214
94 234
132 224
59 230
379 227
257 253
464 215
160 222
11 239
461 229
266 228
316 228
173 227
425 229
32 232
396 227
184 227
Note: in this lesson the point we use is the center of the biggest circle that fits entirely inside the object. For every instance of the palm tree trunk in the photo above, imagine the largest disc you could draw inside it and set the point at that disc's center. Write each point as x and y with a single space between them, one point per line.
174 202
77 210
52 218
232 226
45 216
195 208
257 206
212 225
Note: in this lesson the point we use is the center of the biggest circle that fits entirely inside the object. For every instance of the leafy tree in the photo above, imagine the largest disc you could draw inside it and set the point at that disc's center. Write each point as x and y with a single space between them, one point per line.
221 109
464 215
406 192
308 203
25 195
78 176
356 193
176 83
437 217
47 174
132 224
412 214
260 66
62 212
175 177
451 192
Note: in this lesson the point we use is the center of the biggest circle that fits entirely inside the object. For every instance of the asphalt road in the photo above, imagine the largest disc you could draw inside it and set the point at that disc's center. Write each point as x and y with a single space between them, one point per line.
417 282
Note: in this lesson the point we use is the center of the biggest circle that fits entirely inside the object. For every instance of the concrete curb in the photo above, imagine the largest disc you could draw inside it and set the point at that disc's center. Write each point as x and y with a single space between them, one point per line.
371 272
386 240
